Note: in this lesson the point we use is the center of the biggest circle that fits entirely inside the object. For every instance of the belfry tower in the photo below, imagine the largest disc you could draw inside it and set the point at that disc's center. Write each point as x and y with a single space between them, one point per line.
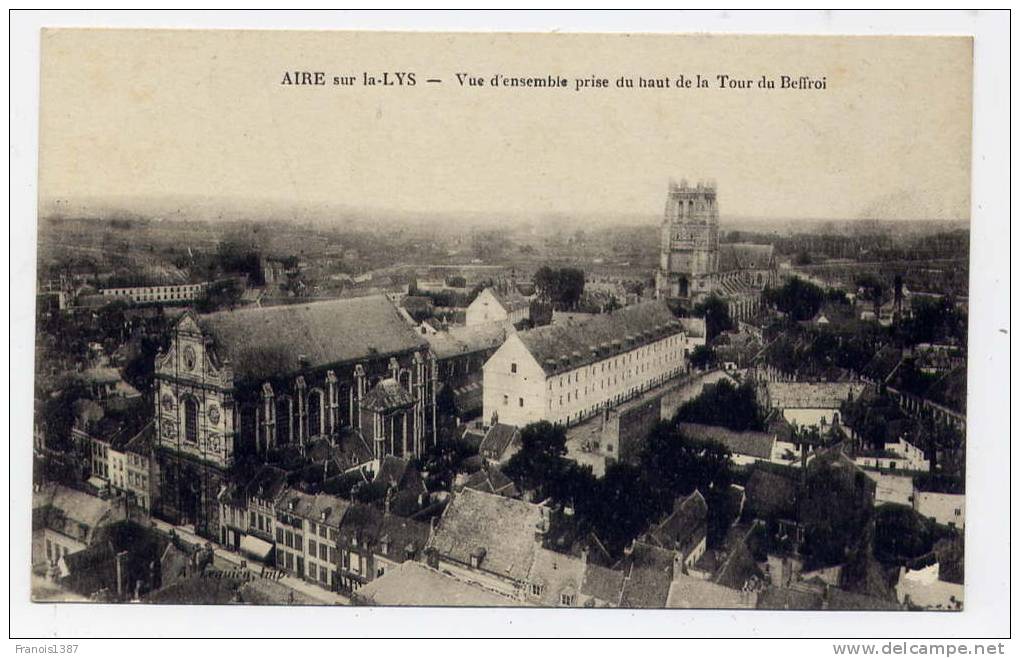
689 256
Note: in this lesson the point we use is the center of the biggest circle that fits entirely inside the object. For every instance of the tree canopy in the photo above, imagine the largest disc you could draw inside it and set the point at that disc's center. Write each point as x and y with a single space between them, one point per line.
716 314
797 298
561 286
724 404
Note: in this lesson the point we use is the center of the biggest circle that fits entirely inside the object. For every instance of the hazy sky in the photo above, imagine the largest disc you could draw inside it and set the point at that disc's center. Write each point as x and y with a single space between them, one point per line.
203 113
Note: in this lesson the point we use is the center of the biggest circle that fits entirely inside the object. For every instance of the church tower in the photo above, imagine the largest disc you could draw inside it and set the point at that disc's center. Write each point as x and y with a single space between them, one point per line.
689 255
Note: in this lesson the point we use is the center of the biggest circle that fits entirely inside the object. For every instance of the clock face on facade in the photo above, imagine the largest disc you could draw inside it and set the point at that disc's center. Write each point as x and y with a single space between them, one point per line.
168 402
189 358
214 414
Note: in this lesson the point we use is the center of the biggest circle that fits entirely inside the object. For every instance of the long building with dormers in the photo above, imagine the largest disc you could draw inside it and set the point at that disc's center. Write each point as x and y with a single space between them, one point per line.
258 381
568 373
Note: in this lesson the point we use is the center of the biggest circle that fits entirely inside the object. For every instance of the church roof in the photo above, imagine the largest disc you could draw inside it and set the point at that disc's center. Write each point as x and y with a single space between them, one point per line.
559 348
741 256
460 340
387 394
266 342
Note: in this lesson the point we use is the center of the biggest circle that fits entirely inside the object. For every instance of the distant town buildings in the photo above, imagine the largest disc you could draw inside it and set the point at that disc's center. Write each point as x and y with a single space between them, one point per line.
165 294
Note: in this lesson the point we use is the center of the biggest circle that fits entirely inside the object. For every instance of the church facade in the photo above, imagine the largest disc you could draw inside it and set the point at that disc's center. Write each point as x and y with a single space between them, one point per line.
255 382
694 265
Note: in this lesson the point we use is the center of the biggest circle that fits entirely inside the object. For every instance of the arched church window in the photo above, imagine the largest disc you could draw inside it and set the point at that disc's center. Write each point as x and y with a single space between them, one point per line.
283 420
190 420
315 413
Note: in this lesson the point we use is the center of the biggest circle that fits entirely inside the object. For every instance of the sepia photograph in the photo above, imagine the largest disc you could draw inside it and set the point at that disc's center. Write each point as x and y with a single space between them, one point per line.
501 320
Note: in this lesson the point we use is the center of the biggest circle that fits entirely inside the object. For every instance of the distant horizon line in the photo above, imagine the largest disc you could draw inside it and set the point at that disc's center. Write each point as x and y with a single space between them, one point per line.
317 209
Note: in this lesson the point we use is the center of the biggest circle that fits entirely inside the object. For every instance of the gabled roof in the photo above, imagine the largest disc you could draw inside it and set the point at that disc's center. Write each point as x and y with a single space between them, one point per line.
399 473
556 574
388 394
738 568
558 348
498 439
685 523
510 300
391 470
491 480
772 490
362 521
266 342
743 256
320 508
403 539
602 583
464 339
504 528
752 444
66 508
268 483
649 577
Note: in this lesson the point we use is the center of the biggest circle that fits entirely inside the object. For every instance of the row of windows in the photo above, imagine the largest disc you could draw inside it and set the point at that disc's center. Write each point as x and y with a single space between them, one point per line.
55 551
137 479
566 598
290 539
262 522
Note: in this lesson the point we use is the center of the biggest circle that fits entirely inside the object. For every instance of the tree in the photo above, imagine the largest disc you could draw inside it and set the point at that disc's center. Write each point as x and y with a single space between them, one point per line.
726 405
802 258
676 465
716 314
799 299
702 357
562 287
540 461
901 534
225 294
621 510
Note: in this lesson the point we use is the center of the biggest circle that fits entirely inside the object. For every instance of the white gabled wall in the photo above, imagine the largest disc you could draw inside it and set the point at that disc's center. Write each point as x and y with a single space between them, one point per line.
485 308
518 397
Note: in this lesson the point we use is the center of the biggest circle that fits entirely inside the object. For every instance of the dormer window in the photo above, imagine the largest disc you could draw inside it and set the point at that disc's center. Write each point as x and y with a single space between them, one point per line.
513 367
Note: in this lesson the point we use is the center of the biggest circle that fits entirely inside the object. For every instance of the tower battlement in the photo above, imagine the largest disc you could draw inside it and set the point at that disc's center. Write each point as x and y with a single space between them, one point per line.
705 187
